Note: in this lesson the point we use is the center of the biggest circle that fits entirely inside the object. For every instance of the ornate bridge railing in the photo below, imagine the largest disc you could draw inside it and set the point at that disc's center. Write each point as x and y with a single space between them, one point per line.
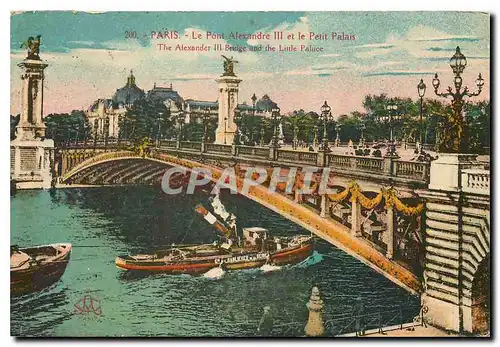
168 143
257 152
388 167
411 169
216 148
476 181
190 145
310 158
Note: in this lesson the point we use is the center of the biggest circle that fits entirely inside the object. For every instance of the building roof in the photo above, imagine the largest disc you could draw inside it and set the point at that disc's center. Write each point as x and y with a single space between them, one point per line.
202 104
163 94
265 103
108 103
129 93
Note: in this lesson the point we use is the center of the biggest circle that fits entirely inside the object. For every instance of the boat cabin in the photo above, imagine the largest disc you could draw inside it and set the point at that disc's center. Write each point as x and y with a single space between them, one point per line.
254 237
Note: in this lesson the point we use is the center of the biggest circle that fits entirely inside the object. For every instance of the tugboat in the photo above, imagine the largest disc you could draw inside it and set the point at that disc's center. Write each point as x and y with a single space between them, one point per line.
253 250
32 269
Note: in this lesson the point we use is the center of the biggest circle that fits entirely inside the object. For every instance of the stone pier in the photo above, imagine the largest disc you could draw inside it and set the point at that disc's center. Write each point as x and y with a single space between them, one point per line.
32 156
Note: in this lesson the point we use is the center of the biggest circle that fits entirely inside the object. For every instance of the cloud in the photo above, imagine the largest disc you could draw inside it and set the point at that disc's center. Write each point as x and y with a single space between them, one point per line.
194 77
399 73
332 55
440 49
322 70
376 45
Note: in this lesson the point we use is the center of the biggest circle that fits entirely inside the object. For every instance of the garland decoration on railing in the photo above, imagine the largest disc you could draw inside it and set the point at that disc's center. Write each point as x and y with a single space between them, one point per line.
388 195
391 200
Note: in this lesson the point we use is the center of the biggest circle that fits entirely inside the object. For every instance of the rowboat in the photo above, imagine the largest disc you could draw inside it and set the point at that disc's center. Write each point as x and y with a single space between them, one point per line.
34 268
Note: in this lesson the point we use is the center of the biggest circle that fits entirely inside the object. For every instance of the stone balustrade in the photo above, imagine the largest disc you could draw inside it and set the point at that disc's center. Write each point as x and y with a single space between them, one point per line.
252 152
310 158
217 148
476 181
168 143
411 169
196 146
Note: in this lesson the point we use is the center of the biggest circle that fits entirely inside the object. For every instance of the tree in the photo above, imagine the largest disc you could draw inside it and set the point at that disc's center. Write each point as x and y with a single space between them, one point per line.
64 127
146 118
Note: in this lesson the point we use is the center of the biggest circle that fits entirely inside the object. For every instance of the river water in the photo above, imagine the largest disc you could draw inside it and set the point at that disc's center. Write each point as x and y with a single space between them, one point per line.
102 223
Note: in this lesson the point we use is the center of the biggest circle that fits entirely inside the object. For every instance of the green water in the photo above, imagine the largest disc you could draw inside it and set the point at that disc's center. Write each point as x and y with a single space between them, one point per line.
102 223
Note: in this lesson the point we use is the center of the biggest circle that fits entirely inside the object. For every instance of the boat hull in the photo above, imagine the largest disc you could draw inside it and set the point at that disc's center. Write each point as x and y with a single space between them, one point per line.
232 262
37 277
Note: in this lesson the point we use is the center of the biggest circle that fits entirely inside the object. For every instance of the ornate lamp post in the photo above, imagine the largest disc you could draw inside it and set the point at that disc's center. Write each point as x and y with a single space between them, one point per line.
458 62
276 119
392 108
421 92
238 134
315 140
96 125
326 117
158 131
262 133
295 141
206 118
106 131
337 138
180 120
362 128
254 100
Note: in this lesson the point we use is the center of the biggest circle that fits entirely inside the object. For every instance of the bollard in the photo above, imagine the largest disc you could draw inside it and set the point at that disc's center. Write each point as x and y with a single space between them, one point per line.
315 326
266 323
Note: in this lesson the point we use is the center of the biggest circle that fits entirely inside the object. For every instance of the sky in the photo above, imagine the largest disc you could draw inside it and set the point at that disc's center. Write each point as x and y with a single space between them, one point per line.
89 56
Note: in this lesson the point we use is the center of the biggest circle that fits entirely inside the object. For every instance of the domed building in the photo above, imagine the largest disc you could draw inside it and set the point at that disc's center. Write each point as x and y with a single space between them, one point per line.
104 114
129 93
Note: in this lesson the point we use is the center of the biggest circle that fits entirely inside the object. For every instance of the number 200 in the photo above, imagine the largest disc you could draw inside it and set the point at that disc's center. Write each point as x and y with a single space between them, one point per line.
130 34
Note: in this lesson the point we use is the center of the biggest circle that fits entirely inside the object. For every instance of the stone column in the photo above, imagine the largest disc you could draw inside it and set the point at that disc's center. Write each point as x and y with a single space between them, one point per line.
356 219
31 123
228 101
324 206
315 325
390 232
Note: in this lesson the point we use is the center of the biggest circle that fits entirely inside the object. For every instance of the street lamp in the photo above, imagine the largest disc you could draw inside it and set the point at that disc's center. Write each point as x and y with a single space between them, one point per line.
315 140
180 119
458 62
421 92
206 118
262 133
392 108
96 125
254 100
337 138
237 134
276 119
326 117
158 120
362 128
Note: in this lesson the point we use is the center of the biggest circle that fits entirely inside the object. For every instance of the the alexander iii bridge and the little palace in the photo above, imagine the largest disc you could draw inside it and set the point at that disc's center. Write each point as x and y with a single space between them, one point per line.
425 225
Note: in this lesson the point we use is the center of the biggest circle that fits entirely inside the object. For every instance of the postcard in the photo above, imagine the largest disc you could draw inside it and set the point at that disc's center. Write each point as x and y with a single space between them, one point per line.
250 174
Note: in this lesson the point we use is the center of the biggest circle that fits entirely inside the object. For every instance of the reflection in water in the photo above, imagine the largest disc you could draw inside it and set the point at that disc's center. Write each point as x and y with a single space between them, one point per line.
103 223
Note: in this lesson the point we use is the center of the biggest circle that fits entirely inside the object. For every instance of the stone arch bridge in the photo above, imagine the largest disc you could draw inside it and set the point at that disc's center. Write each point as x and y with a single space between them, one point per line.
424 226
